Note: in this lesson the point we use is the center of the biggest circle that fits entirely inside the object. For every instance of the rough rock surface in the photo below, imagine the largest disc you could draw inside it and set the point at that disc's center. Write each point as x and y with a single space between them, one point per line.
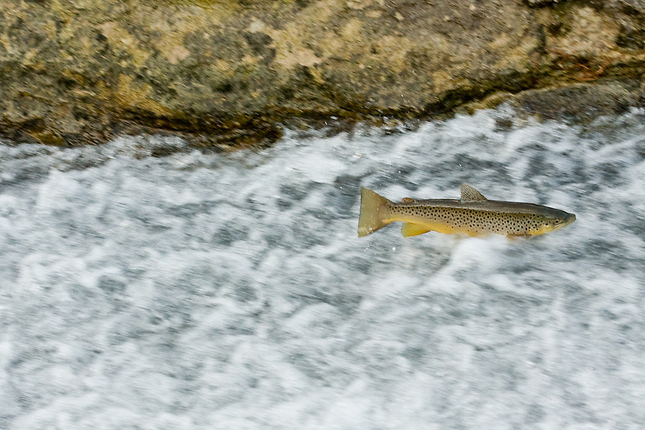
230 72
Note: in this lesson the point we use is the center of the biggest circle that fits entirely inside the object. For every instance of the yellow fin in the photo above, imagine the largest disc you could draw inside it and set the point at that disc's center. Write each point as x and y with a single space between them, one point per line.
411 229
519 236
407 200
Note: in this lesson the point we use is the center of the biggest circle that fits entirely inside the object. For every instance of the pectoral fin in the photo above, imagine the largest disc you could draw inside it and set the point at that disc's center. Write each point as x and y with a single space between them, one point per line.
410 229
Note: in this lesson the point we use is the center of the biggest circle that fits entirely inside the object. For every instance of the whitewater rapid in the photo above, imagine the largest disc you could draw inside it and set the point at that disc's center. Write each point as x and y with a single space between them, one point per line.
230 291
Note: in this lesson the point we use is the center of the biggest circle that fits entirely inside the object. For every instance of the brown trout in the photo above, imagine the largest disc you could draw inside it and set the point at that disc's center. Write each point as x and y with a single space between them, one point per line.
473 215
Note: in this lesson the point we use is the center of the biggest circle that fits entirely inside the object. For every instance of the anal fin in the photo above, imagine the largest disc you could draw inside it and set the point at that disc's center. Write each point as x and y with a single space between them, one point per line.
411 229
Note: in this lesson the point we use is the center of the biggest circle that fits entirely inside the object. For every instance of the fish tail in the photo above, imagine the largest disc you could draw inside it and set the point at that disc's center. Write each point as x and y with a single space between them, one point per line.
374 212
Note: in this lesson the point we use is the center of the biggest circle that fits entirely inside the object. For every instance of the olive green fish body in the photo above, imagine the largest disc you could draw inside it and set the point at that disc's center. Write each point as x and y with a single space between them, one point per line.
472 215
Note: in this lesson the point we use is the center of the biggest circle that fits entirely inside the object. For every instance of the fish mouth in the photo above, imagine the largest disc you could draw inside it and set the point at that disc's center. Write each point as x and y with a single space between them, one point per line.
568 219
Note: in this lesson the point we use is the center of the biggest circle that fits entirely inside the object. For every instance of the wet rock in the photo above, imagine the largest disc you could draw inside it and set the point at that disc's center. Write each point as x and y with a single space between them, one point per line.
580 102
229 73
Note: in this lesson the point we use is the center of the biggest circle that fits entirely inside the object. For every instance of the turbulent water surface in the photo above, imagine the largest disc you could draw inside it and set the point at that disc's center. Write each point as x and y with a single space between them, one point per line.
229 291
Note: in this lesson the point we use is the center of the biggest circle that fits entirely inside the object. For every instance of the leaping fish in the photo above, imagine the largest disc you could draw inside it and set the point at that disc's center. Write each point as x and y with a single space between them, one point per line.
473 215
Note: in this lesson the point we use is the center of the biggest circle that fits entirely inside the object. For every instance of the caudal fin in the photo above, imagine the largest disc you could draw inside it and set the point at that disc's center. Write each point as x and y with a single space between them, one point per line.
374 212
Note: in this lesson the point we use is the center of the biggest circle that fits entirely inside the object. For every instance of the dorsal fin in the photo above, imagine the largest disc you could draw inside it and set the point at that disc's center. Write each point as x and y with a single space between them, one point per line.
469 194
407 200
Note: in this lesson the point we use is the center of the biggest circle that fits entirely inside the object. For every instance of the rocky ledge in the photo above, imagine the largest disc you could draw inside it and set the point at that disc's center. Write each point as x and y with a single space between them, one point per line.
231 73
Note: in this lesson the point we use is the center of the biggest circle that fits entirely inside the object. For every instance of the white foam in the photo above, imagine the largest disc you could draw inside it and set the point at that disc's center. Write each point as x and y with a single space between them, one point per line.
230 290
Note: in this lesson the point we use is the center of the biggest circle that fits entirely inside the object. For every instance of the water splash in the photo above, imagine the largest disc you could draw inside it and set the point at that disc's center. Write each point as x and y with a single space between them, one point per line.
230 290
